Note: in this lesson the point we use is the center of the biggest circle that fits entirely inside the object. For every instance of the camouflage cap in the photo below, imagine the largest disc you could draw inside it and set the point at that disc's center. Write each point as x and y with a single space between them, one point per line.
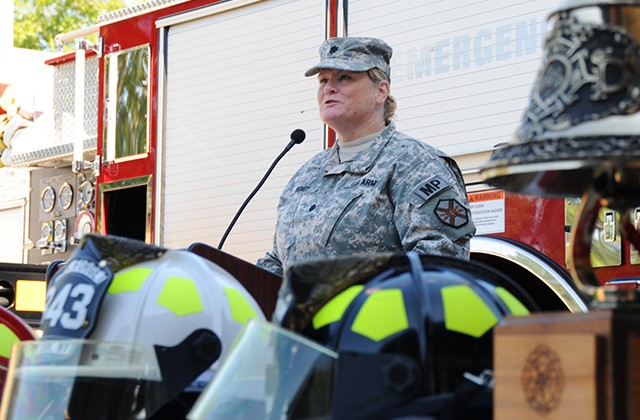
353 54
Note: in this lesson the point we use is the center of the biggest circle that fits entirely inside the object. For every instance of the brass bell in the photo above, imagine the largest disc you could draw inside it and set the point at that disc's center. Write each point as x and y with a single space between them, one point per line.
580 133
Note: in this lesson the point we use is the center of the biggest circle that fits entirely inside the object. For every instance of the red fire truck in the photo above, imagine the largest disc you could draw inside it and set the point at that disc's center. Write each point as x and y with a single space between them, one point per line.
162 127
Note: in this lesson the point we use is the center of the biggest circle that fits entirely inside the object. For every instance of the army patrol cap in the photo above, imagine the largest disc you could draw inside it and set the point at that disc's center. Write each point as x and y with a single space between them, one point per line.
353 54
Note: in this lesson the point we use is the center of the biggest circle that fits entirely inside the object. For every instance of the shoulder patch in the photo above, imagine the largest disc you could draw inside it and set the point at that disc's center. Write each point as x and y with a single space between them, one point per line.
452 213
431 187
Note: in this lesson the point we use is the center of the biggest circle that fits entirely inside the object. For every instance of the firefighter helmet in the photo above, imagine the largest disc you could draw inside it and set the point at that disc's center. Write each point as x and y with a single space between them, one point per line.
375 337
12 330
128 327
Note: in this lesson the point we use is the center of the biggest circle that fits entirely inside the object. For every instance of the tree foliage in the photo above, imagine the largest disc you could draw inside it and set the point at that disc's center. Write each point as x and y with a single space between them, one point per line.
37 22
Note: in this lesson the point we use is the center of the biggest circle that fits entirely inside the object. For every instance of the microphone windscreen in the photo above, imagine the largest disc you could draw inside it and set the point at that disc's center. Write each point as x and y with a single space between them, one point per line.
298 135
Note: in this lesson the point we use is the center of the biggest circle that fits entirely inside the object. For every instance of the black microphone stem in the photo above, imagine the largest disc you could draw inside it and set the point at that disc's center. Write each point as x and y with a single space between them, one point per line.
255 190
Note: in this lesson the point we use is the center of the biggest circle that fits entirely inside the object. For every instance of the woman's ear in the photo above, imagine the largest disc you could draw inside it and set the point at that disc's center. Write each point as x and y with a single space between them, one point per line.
384 89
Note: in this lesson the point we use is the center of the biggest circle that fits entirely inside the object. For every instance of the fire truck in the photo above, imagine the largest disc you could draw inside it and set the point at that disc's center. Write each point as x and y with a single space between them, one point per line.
25 90
162 127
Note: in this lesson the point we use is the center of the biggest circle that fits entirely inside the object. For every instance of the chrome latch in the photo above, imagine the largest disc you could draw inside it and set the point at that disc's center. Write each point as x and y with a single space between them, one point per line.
609 228
485 378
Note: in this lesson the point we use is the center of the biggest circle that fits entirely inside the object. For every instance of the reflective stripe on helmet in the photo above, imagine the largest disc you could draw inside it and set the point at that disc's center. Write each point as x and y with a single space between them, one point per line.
7 338
180 296
129 280
515 306
466 312
241 309
382 314
334 309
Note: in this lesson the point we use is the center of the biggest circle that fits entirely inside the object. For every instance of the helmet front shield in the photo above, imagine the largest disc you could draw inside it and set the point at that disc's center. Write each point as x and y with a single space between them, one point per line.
79 379
271 373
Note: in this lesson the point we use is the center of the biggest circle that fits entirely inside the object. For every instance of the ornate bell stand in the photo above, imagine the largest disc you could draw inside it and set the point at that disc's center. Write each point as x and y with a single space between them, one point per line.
579 137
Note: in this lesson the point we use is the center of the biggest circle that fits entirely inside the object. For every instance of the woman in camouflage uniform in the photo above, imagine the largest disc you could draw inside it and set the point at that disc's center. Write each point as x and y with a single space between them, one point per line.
376 190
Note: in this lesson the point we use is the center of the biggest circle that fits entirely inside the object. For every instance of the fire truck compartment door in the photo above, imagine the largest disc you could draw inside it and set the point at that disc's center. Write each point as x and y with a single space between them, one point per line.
235 90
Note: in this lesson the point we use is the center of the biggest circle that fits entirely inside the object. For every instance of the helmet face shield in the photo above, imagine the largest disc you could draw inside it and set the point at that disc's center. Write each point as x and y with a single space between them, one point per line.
271 373
80 379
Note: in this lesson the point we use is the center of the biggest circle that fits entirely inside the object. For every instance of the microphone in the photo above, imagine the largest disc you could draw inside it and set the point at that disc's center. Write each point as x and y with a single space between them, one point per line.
297 136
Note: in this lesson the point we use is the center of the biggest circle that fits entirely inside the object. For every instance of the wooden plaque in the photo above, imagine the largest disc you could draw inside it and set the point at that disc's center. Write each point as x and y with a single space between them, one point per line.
568 366
542 376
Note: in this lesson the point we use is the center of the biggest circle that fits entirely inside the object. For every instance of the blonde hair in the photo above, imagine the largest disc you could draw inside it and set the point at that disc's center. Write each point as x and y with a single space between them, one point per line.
390 104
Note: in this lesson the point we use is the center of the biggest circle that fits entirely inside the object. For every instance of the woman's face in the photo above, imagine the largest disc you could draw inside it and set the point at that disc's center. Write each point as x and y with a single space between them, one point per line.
350 102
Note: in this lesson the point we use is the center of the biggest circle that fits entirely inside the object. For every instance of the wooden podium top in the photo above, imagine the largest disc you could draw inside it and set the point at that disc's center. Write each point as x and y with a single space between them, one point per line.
262 284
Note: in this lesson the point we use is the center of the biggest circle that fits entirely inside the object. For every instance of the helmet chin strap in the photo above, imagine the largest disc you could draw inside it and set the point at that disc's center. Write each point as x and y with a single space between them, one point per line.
417 269
195 354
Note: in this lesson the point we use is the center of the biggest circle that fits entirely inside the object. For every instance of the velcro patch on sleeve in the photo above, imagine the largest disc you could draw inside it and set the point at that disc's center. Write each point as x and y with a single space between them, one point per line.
431 187
452 213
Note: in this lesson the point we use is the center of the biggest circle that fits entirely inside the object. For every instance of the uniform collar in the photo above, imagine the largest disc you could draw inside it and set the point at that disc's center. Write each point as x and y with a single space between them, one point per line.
363 160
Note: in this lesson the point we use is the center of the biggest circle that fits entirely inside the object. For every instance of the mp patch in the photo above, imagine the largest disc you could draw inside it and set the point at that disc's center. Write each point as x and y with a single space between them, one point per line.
431 188
452 213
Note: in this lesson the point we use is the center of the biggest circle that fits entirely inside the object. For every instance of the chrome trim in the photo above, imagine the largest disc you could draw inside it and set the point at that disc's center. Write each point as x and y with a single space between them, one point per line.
54 156
110 117
59 230
327 19
46 231
161 103
537 267
86 193
147 181
84 218
342 16
565 5
65 189
63 38
115 16
201 12
48 207
136 10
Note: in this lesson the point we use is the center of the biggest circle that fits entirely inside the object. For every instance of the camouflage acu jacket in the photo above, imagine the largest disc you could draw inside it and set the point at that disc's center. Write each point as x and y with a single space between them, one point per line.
398 195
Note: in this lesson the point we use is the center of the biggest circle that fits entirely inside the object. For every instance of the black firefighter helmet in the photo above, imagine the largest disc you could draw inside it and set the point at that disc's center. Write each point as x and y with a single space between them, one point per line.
385 336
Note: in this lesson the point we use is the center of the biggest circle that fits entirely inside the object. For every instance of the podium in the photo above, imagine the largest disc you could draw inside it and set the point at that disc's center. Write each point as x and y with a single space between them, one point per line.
568 366
262 284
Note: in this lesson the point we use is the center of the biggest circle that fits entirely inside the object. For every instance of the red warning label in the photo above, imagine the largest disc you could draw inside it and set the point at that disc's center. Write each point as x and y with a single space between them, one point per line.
486 196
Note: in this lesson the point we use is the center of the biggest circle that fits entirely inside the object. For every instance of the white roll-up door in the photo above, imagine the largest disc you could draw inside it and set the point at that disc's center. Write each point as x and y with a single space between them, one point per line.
461 71
12 231
235 90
